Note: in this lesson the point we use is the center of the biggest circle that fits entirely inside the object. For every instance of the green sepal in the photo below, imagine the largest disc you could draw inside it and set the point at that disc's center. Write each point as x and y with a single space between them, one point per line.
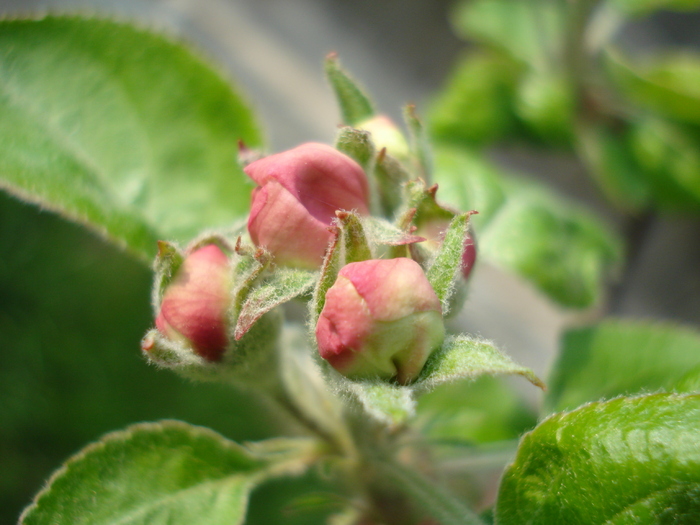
444 271
356 144
390 174
418 140
165 472
420 197
624 461
166 264
355 105
382 232
332 262
459 357
283 285
356 246
249 264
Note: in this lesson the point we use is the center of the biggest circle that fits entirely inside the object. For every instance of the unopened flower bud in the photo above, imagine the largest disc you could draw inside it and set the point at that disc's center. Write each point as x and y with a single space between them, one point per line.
194 309
385 134
296 199
381 318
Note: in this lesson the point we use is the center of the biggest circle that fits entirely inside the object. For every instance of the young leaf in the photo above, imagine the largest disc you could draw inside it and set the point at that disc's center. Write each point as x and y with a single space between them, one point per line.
355 106
167 472
389 403
462 357
284 285
137 145
629 460
621 357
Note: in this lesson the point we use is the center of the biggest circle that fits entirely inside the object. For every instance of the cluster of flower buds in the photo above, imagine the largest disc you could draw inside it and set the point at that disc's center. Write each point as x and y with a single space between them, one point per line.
375 310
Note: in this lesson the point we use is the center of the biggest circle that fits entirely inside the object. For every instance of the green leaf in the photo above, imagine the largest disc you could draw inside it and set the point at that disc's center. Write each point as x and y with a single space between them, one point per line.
462 357
137 144
564 250
476 105
468 182
283 285
489 410
647 7
667 84
355 105
621 357
629 460
167 472
615 169
532 31
386 402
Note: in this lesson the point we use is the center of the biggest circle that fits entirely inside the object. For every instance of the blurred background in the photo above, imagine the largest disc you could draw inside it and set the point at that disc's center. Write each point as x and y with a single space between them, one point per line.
73 308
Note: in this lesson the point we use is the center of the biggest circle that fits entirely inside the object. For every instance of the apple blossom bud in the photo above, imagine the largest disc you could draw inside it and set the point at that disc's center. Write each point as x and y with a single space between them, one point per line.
385 134
194 309
381 318
296 199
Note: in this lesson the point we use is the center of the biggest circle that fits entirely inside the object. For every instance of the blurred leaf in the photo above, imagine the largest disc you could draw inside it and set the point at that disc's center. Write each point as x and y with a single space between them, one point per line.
618 357
529 31
646 7
119 129
467 182
167 472
546 103
669 154
487 410
613 166
668 84
625 461
567 252
476 105
389 403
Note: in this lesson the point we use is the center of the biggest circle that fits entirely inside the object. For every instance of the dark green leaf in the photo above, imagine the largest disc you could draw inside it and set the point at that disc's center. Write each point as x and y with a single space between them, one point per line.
167 472
646 7
621 357
629 460
119 129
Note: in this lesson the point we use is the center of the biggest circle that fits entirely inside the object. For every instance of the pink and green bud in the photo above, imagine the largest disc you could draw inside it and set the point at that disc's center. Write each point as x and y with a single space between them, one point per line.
296 199
194 309
381 318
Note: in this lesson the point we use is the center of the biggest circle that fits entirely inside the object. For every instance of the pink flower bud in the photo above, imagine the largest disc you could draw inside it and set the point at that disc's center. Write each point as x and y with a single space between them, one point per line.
296 199
195 305
380 318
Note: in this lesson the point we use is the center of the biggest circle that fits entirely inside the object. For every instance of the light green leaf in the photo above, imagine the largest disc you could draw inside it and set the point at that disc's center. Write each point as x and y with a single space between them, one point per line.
462 357
530 31
629 460
476 104
168 472
621 357
137 144
566 251
668 84
355 105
